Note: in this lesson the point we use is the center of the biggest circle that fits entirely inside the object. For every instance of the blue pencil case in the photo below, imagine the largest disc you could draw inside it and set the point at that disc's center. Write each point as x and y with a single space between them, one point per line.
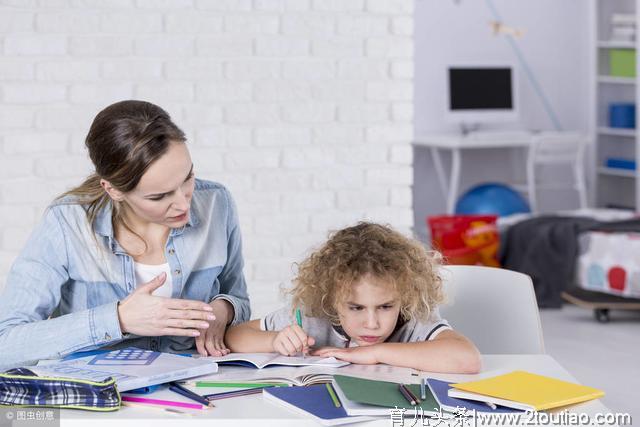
23 387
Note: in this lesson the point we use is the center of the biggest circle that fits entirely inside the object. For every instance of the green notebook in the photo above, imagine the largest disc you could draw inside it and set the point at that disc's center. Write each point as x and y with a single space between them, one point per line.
370 397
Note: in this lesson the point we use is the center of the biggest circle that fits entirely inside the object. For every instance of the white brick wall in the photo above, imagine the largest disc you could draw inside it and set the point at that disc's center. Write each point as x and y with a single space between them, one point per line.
302 107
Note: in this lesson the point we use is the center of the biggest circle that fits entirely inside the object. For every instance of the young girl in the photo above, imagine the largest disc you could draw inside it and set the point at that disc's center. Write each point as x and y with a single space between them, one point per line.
369 295
140 254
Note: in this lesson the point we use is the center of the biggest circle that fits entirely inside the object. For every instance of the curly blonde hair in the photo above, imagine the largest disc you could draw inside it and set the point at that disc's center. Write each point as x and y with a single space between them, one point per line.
325 277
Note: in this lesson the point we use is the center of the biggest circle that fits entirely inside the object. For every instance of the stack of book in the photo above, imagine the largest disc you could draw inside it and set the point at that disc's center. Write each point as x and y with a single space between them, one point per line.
623 27
131 367
348 399
524 391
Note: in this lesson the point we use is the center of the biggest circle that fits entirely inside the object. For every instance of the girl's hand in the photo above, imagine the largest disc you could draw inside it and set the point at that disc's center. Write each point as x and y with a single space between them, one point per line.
144 314
292 340
360 355
211 339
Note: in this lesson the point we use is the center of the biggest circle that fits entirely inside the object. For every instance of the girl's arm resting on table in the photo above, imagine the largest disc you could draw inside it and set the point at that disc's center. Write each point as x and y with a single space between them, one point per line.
249 338
448 352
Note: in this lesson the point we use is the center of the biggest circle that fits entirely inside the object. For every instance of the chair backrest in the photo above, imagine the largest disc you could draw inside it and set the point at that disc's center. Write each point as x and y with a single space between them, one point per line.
553 148
493 307
558 147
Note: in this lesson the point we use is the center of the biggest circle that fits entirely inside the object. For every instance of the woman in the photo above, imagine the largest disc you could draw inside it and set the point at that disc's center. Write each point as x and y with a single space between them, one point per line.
140 254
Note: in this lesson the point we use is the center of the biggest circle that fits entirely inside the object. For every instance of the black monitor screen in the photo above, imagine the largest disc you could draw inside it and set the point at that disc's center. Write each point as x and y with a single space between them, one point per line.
480 89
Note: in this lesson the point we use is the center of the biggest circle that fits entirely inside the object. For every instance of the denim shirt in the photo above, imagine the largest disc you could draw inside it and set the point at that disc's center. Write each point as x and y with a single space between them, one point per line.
62 291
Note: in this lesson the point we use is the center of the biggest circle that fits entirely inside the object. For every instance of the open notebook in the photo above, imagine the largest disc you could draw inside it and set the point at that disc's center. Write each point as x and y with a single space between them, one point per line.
299 376
261 360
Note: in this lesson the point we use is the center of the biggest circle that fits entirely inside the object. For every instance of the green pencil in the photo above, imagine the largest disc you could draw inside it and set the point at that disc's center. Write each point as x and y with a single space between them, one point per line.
299 317
332 393
299 321
238 385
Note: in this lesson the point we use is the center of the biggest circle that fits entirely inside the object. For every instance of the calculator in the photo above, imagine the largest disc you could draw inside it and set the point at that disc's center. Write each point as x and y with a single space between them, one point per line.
126 356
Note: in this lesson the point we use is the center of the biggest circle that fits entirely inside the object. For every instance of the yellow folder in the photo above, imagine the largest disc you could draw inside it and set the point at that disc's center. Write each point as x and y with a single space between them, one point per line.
536 392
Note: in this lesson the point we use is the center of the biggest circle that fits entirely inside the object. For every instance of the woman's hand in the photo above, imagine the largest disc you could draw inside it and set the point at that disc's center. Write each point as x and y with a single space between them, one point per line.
292 340
211 339
360 355
144 314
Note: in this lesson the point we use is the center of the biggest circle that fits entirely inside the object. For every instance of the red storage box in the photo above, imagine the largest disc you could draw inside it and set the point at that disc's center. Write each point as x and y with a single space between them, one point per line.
466 239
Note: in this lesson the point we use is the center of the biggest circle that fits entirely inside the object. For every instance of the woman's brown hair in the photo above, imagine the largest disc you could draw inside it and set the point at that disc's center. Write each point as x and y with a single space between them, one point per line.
124 140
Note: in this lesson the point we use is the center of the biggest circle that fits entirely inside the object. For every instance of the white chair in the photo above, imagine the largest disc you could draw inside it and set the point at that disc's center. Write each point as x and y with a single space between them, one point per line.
494 308
556 148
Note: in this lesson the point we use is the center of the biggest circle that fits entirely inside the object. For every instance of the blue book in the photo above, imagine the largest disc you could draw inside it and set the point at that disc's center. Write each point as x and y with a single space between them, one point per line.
440 390
314 401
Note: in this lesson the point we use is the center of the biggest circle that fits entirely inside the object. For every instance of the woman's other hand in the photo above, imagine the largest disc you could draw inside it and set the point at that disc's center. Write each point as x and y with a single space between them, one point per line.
210 342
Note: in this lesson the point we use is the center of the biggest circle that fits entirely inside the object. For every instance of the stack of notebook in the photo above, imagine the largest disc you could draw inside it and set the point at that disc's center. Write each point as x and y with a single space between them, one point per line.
440 390
351 399
131 367
523 391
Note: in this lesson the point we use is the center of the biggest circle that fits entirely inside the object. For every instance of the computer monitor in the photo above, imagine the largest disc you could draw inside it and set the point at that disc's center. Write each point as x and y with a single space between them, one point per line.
480 94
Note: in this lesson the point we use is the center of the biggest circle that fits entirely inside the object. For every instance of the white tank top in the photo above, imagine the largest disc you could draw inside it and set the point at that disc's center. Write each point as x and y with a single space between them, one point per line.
145 273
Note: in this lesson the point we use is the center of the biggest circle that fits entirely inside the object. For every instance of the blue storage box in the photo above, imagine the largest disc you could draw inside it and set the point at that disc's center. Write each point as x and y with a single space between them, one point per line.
618 163
622 115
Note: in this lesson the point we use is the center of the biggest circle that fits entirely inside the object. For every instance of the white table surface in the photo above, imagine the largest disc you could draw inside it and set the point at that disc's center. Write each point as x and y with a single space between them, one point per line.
254 411
476 140
456 143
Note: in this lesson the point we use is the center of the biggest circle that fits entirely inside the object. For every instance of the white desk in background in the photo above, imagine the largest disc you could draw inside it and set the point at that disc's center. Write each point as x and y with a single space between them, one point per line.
458 142
252 410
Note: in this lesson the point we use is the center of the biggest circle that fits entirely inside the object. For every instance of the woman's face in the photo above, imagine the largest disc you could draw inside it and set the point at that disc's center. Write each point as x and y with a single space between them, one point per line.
163 195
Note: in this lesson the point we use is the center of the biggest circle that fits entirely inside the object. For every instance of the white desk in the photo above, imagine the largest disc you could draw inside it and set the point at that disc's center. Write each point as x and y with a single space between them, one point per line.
456 143
254 411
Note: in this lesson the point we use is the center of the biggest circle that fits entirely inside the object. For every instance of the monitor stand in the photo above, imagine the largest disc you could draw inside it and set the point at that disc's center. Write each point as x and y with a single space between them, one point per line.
467 128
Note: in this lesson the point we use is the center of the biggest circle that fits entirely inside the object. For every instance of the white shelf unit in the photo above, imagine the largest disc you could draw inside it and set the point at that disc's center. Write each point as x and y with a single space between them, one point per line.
617 80
630 133
622 173
609 44
614 187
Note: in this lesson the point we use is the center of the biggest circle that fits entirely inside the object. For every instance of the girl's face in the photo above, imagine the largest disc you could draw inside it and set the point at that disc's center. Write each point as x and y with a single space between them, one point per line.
163 195
370 313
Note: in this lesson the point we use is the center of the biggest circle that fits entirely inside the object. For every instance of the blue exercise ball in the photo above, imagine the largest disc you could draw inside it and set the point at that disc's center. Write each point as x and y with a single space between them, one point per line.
492 198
